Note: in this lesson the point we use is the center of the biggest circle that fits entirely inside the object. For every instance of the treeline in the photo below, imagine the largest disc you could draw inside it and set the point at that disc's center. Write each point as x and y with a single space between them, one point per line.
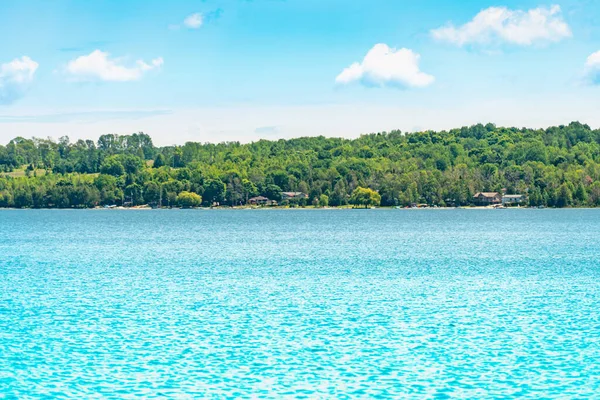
555 167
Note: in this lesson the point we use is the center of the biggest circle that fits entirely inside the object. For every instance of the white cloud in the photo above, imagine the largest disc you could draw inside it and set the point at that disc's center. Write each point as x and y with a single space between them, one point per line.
593 60
592 68
385 66
193 21
99 66
500 24
15 77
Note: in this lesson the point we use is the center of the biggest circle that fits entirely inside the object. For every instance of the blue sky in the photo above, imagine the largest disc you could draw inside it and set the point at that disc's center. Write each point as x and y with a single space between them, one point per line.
243 70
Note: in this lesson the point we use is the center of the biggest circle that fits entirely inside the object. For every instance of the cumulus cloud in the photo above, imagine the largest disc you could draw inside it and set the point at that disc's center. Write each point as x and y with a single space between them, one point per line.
502 25
592 68
99 66
193 21
15 78
385 66
197 20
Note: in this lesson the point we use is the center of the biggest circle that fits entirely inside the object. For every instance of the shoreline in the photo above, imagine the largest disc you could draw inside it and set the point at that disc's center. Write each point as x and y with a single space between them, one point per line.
297 208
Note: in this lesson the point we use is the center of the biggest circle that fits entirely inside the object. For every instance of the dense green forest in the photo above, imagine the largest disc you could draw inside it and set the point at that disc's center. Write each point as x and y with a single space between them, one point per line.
555 167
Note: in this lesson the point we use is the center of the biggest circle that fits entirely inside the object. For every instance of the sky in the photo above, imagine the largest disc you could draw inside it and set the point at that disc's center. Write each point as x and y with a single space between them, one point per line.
243 70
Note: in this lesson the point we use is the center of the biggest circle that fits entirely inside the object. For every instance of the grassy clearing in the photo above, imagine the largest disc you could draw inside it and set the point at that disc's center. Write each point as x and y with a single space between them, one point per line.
21 172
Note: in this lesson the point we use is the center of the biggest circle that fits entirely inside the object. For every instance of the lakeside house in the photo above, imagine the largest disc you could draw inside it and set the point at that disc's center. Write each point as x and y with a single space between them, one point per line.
261 201
258 200
509 199
293 196
487 198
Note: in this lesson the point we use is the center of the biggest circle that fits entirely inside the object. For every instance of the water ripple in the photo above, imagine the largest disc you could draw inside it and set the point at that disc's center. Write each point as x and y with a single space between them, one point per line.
315 304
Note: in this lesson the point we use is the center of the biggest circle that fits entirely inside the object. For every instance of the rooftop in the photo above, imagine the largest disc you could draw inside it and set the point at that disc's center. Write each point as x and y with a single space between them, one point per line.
292 193
486 194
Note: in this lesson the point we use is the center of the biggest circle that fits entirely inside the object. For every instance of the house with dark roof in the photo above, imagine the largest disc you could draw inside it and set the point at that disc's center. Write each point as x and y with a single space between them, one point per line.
259 201
487 198
293 196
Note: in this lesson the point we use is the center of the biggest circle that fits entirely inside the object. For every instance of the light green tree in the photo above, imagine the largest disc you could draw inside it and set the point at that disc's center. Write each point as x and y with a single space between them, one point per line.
365 197
323 200
188 200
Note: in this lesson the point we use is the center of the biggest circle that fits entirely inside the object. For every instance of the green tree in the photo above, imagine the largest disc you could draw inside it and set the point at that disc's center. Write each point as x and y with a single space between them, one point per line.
6 199
133 193
272 192
23 198
580 194
151 192
112 166
279 178
250 189
594 198
535 198
564 197
159 161
365 197
214 191
132 164
324 200
188 200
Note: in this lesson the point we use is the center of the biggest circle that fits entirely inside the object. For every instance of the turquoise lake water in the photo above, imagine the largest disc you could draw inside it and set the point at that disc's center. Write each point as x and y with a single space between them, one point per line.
300 303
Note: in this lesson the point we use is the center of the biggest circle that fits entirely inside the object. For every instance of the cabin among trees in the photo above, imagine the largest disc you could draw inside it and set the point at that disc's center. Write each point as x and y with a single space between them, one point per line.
487 198
261 201
290 196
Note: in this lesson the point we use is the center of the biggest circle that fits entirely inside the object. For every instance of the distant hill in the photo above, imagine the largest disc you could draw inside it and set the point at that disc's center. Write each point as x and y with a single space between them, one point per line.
555 167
